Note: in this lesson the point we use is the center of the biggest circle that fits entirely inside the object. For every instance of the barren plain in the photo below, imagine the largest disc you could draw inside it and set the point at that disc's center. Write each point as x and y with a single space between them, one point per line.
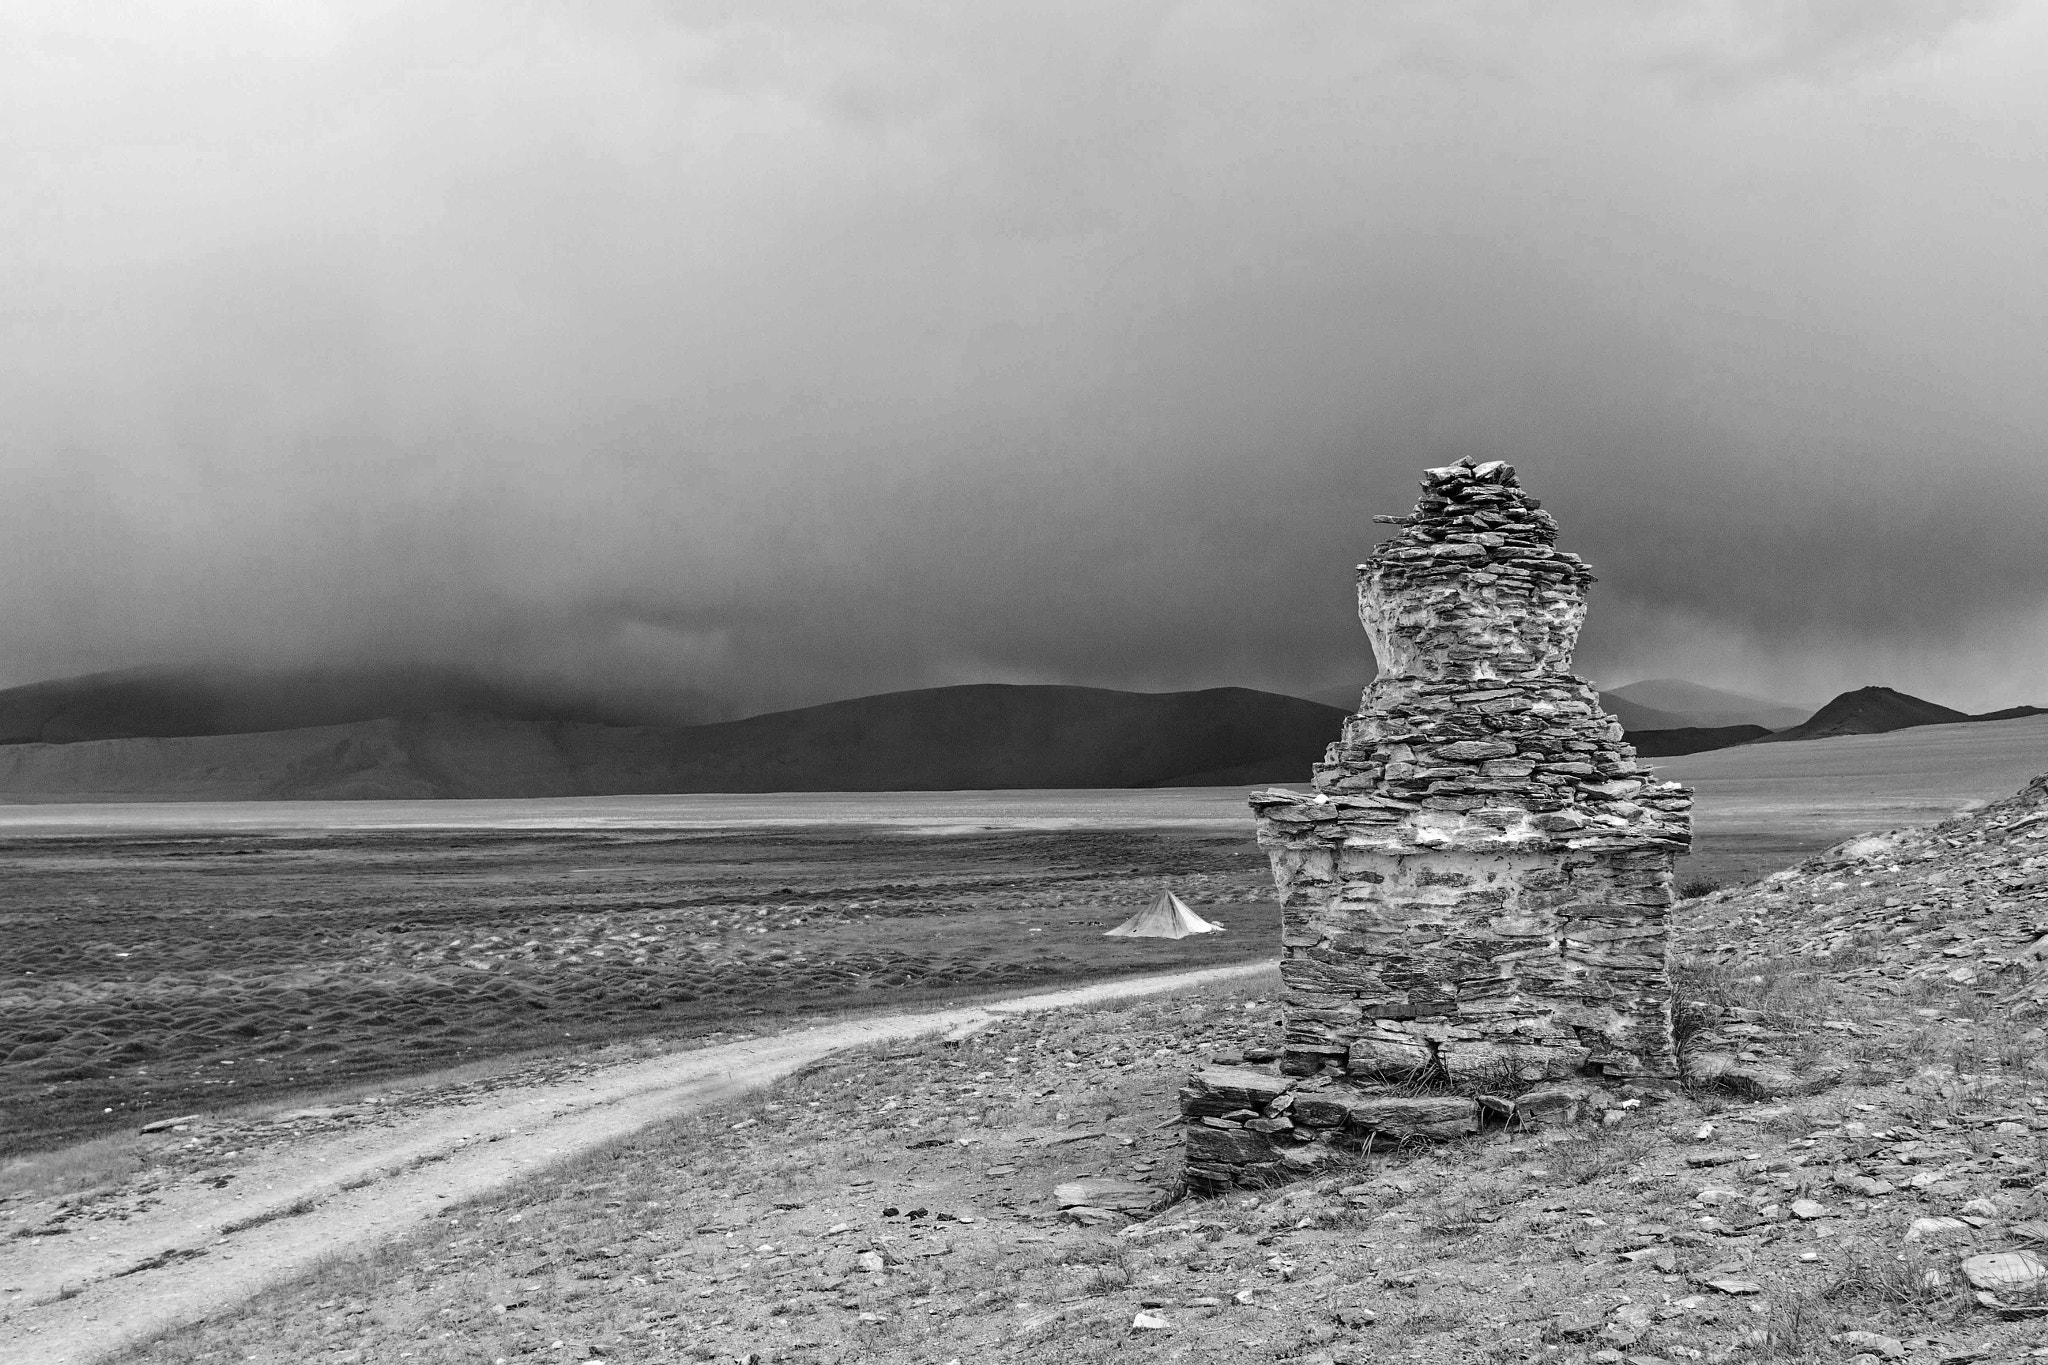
230 961
160 973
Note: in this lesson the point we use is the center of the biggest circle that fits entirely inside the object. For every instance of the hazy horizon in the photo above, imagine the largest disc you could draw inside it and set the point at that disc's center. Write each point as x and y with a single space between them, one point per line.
766 356
330 687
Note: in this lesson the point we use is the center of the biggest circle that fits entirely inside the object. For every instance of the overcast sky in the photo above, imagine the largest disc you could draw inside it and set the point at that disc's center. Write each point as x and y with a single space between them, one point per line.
771 353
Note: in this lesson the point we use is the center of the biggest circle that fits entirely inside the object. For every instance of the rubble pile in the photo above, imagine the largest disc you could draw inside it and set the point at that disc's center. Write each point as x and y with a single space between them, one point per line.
1474 897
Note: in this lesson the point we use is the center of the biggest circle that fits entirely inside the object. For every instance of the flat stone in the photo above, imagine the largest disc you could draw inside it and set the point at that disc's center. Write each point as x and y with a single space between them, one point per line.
1890 1348
164 1125
1474 750
1578 1320
1423 1116
1922 1229
1713 1156
1237 1087
1108 1192
1733 1285
2006 1272
1089 1216
1227 1147
1552 1105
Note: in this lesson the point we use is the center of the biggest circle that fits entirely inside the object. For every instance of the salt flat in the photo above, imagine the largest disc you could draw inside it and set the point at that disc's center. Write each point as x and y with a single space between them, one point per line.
909 812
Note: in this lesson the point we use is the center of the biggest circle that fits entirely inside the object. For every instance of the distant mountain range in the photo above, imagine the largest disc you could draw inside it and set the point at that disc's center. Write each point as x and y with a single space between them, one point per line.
1672 703
166 702
936 739
1865 711
424 734
1666 717
1692 739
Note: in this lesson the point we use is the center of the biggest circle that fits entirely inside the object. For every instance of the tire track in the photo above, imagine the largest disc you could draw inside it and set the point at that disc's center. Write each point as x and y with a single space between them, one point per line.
205 1251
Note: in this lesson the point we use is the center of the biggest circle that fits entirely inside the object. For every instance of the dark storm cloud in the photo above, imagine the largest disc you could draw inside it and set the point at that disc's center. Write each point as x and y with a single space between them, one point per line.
774 354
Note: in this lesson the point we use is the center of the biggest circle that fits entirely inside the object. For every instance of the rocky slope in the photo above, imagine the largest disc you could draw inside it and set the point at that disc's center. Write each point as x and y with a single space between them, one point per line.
1964 903
1003 1197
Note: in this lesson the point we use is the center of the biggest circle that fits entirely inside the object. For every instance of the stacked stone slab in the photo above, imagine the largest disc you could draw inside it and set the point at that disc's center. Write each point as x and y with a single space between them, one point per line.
1474 896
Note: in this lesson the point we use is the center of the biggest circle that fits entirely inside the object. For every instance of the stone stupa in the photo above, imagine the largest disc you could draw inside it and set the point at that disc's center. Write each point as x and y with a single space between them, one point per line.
1474 897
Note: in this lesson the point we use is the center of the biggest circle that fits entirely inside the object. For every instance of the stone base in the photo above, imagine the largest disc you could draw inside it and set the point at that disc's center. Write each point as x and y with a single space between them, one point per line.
1249 1127
1498 967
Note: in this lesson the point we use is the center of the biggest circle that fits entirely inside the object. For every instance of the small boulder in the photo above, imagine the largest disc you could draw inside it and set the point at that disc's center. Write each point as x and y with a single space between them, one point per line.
1577 1320
1552 1106
1933 1229
165 1125
1733 1285
1874 1343
2006 1272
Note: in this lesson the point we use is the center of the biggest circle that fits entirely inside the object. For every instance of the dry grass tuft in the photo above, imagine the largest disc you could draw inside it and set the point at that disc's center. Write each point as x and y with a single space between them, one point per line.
77 1170
1600 1154
1927 1284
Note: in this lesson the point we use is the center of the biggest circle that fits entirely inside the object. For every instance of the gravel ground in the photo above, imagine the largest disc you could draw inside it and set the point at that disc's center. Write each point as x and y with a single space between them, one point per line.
904 1205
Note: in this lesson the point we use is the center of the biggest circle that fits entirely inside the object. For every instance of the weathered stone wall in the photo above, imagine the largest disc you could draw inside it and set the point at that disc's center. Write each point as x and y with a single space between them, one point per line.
1492 966
1474 896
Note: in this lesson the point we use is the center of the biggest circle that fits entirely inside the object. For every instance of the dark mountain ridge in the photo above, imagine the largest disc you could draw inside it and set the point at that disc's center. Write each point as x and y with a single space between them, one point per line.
423 733
1692 739
1863 711
1007 735
1880 710
164 702
1870 711
984 736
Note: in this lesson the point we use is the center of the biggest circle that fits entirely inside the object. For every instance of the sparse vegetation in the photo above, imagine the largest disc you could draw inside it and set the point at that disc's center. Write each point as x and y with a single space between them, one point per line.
699 1242
1928 1285
895 1205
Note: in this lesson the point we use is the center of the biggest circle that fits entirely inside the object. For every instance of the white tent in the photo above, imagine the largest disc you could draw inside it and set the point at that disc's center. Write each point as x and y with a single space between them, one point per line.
1166 917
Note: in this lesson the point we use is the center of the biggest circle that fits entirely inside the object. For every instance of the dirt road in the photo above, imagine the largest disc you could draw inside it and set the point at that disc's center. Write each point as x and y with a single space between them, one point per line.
189 1252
